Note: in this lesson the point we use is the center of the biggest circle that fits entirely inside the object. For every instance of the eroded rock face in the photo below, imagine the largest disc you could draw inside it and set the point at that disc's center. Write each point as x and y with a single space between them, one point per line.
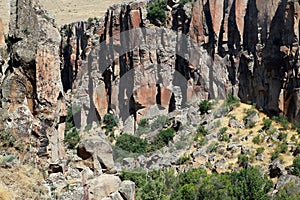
32 81
260 41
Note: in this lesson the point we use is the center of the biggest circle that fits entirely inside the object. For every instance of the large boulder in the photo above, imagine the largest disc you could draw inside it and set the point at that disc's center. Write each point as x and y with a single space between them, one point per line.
98 149
128 190
102 186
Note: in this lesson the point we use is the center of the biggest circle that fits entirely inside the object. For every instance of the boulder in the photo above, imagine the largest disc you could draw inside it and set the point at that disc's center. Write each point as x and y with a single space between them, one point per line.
128 189
99 150
102 186
276 169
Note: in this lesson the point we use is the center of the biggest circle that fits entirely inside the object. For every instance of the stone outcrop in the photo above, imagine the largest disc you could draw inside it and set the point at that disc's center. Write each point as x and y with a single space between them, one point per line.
99 150
32 86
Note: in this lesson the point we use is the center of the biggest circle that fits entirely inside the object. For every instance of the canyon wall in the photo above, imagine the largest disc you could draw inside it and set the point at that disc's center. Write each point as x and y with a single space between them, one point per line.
122 64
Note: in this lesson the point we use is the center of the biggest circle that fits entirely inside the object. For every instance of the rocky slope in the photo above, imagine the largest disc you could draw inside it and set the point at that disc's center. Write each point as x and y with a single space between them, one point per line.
123 65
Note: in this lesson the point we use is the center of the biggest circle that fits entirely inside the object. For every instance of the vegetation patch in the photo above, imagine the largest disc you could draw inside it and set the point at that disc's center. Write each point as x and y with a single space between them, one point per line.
156 12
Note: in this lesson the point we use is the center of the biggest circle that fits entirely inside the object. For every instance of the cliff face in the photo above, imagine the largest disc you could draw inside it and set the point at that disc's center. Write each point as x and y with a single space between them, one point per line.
32 83
260 39
248 48
121 64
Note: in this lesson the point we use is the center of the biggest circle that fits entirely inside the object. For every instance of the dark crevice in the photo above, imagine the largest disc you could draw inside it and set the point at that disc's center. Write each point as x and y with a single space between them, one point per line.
172 104
211 34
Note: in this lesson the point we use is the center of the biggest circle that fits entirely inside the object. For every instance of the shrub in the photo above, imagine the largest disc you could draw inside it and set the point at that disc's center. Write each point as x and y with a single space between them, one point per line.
223 130
201 131
160 122
274 155
183 160
156 12
267 123
217 123
72 138
283 120
160 140
110 121
7 139
131 143
225 138
212 147
256 140
296 165
204 106
282 148
231 101
143 123
180 145
243 160
260 150
282 136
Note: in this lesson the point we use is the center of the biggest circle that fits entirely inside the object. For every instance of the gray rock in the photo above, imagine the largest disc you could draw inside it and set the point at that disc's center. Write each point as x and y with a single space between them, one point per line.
128 189
233 146
99 150
260 157
276 169
290 183
253 118
104 185
234 123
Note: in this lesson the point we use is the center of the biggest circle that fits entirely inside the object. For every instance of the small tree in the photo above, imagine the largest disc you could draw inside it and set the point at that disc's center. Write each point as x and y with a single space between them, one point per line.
204 106
156 12
296 165
131 143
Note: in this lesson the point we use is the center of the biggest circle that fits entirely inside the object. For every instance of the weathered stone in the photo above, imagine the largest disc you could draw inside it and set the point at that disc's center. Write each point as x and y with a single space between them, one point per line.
99 150
102 186
236 124
276 169
128 189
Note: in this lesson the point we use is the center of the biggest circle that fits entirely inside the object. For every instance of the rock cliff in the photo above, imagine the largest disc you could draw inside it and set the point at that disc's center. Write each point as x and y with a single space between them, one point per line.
124 65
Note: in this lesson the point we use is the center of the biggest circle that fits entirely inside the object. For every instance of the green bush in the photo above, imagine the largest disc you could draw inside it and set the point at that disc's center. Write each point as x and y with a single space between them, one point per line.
223 130
296 165
283 120
204 106
156 12
282 136
243 160
195 183
225 138
160 122
143 123
7 139
267 123
274 155
131 143
212 147
231 101
160 140
201 131
183 160
256 140
282 148
72 138
260 150
110 121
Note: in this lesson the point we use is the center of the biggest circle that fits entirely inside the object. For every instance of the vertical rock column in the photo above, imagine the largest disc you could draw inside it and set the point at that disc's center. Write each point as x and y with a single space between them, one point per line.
32 86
